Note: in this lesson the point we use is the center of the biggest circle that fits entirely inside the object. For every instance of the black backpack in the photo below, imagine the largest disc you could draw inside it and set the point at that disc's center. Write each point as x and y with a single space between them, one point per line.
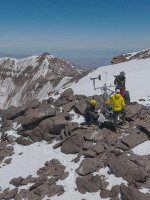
127 97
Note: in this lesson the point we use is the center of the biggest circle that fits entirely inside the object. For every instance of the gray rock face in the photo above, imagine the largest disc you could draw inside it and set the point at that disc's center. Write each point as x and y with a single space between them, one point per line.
5 150
5 192
80 106
27 180
104 194
129 169
11 194
131 193
52 168
87 166
134 139
68 106
133 111
25 194
13 112
65 97
74 144
49 190
115 191
88 183
24 141
99 148
34 116
46 128
88 145
16 181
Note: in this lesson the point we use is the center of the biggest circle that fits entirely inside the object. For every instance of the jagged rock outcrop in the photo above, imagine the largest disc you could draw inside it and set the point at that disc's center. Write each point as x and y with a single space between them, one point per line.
131 56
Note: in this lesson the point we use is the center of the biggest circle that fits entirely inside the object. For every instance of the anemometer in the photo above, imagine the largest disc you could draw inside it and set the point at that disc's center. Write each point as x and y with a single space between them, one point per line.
105 88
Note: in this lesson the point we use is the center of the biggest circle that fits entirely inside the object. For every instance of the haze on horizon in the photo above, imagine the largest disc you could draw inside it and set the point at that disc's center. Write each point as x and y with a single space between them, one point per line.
74 29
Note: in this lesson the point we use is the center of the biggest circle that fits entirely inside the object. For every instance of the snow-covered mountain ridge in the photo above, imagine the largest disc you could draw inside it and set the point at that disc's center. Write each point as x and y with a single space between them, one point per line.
131 56
32 78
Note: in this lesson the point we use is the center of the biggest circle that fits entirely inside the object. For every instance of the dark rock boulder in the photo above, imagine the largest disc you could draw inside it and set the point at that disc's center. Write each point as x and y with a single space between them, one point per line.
66 96
74 144
25 194
88 183
48 190
131 193
14 112
71 126
68 106
27 180
133 111
96 136
80 106
79 96
24 141
52 168
134 139
87 166
99 148
11 194
16 181
64 114
33 104
6 125
105 194
128 169
88 145
115 191
5 192
34 116
5 151
103 185
46 128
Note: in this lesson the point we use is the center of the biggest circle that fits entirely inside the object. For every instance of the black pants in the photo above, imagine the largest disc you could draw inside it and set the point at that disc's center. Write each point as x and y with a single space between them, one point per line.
91 119
115 115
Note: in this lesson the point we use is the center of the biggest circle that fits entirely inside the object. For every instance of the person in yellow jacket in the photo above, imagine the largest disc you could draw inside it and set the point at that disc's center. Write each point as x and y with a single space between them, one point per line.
118 107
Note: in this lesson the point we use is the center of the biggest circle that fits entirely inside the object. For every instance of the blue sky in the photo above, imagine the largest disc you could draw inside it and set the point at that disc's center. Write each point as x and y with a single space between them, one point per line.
74 27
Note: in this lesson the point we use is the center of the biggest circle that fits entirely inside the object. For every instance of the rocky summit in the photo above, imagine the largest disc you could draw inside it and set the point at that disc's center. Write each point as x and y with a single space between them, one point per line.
131 56
94 153
32 78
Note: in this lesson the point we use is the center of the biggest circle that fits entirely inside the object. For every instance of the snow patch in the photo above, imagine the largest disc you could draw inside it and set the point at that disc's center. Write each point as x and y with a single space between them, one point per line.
142 149
145 190
76 117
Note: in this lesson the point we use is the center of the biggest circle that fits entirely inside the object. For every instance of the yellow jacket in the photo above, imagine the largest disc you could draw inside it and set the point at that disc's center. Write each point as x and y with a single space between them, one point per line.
118 102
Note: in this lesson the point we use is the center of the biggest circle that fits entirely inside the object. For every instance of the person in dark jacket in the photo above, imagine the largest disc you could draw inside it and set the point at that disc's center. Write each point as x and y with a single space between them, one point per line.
90 114
120 82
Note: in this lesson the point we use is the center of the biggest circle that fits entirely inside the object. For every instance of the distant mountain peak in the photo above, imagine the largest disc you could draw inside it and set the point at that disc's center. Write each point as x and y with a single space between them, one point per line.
32 78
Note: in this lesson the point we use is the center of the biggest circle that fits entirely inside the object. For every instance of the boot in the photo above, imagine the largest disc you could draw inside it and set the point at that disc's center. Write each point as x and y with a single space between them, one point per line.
124 123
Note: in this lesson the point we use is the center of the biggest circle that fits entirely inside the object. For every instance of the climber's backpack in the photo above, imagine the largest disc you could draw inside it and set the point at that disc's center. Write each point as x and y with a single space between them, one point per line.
127 97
